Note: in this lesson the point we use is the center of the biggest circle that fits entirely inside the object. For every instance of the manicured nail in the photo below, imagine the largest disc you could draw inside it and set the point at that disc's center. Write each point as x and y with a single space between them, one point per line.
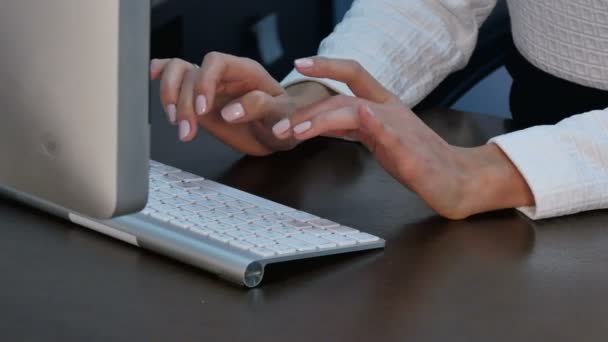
303 127
233 112
171 113
305 63
281 127
184 130
201 104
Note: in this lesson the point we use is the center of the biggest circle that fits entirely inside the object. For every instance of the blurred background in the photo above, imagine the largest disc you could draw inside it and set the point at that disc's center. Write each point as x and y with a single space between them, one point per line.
275 32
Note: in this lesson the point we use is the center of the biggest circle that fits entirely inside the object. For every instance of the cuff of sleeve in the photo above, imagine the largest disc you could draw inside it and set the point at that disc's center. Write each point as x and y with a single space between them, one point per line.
295 77
551 186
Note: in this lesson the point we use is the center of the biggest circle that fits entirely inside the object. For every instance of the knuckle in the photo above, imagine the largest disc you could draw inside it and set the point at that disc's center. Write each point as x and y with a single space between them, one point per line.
256 99
355 66
212 56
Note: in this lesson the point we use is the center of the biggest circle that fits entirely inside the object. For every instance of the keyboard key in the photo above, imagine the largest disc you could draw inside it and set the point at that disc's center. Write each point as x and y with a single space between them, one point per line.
233 221
316 231
252 227
341 240
195 208
176 201
259 211
219 227
168 179
204 192
287 231
299 245
364 237
188 177
241 244
343 230
176 192
224 198
296 224
211 204
270 235
277 217
268 224
182 213
192 197
323 223
247 217
184 185
240 234
238 204
301 216
261 242
182 223
161 217
201 230
160 195
282 249
220 237
229 210
262 252
259 201
201 220
316 241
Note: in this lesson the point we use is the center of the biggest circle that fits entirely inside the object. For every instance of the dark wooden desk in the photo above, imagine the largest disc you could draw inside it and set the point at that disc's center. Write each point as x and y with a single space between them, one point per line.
494 277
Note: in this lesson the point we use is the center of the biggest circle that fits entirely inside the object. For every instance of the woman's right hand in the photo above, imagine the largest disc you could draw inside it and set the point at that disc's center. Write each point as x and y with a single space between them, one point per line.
233 98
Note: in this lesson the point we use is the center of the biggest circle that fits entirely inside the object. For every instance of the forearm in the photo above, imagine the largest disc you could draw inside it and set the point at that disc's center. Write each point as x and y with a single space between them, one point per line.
407 55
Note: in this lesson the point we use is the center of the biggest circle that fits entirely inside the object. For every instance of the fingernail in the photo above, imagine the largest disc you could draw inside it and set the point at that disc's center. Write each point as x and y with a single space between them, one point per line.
171 112
233 112
303 127
184 129
305 63
201 104
281 127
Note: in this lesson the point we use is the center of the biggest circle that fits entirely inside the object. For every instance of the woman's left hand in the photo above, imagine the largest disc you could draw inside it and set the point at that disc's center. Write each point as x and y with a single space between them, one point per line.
455 182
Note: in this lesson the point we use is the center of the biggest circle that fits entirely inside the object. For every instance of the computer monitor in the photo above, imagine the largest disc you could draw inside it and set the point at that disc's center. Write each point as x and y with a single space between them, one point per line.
74 96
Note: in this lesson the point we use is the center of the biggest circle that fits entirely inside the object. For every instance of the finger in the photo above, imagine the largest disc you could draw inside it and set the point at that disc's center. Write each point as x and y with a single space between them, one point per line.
170 86
186 117
372 126
257 105
350 72
344 118
309 112
156 67
218 67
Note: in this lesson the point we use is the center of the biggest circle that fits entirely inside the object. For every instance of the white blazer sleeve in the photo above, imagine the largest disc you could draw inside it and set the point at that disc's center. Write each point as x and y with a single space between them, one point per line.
565 165
410 46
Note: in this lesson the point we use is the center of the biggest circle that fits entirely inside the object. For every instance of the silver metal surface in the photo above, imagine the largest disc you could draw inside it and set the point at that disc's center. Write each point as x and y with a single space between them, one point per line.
73 89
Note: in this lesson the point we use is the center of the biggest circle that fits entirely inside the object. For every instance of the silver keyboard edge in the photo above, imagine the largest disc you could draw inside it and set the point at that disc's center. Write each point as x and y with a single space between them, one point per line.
233 264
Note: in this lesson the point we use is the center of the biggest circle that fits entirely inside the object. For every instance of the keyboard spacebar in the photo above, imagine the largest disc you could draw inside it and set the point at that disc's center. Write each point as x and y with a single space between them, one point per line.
247 197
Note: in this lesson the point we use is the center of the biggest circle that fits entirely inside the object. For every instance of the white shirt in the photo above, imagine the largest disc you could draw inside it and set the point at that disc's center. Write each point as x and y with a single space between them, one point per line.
410 46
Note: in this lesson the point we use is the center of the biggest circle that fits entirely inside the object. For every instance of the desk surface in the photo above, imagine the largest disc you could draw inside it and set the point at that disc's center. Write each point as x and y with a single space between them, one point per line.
494 277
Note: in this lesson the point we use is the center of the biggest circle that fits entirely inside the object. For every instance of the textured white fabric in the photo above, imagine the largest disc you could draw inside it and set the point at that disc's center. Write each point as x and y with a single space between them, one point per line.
410 46
565 165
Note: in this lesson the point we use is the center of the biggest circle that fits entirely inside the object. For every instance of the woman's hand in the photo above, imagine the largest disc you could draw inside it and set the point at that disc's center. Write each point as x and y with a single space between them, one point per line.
233 98
455 182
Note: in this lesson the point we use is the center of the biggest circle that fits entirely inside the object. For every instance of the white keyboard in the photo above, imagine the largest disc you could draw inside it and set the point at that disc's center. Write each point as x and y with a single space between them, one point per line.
241 220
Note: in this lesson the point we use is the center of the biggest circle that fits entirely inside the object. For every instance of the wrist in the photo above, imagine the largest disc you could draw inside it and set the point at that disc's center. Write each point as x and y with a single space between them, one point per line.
493 182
